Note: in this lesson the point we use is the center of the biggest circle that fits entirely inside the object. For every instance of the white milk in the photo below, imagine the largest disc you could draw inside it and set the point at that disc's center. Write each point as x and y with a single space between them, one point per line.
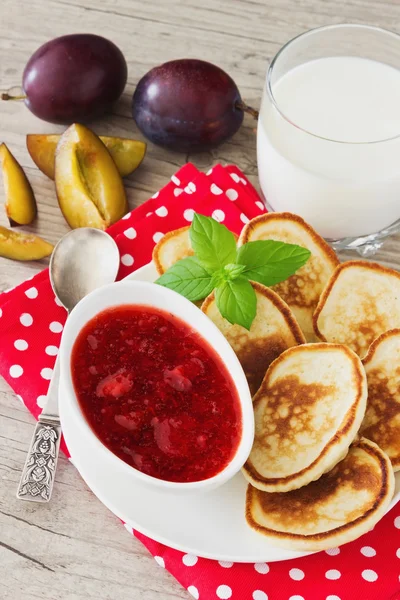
342 189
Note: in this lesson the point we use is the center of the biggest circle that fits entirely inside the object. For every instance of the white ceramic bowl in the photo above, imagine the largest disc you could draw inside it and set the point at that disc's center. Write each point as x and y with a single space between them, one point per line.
150 294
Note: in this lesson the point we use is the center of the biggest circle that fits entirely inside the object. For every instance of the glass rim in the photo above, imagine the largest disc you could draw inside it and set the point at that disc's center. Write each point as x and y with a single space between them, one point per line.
306 34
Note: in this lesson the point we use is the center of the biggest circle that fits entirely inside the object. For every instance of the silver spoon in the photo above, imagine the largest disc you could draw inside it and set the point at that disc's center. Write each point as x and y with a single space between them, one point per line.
82 261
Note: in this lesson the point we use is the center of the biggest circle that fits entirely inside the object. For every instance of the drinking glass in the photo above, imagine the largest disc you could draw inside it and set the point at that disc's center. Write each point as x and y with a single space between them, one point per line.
347 189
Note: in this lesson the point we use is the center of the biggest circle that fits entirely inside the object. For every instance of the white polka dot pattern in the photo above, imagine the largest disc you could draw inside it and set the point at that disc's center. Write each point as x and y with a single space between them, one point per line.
218 215
127 260
162 211
189 560
21 345
368 551
16 371
188 214
26 319
224 592
262 568
190 188
193 591
51 350
369 575
333 551
41 400
32 293
56 327
158 236
46 373
130 233
296 574
160 561
215 189
333 574
259 595
232 194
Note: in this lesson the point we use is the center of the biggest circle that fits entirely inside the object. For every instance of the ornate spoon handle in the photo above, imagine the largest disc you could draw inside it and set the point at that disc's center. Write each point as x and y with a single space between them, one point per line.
39 471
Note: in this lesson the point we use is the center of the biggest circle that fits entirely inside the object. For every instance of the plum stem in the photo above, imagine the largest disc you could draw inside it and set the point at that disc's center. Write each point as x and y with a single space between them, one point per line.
6 96
248 109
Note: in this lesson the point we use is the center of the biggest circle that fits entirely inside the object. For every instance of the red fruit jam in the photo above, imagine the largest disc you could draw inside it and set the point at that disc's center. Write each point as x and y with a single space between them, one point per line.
156 393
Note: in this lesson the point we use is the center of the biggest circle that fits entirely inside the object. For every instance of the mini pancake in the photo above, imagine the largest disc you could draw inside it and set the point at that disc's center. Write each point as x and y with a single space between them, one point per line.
307 413
172 247
360 301
338 508
303 289
382 418
273 330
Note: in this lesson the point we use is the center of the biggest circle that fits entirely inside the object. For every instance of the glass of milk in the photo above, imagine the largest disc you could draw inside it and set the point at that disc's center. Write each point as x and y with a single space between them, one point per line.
328 141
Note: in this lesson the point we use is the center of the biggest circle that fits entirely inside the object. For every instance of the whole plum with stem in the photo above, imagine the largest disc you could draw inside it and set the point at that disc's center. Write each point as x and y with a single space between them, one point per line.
188 105
73 78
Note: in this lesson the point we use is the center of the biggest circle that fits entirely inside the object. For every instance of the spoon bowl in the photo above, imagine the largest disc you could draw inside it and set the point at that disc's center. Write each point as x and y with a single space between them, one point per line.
83 260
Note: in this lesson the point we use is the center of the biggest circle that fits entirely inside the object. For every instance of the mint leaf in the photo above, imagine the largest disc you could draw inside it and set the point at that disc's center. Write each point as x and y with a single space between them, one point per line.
189 278
218 278
269 262
227 273
236 301
233 271
213 244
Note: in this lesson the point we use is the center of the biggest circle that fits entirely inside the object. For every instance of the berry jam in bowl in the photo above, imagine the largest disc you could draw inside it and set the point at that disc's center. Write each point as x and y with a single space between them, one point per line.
155 388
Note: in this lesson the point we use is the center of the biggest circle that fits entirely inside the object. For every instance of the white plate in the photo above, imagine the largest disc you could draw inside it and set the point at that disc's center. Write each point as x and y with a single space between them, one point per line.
211 525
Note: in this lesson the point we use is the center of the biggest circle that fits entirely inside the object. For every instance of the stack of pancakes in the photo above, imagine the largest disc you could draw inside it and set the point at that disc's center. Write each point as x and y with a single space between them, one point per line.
322 359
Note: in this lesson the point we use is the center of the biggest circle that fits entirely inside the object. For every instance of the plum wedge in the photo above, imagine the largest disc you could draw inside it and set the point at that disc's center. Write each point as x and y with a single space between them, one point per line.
20 202
127 154
89 187
42 149
23 246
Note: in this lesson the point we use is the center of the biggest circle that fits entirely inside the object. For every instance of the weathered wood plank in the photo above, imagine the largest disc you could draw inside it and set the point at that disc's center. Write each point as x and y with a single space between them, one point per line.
75 549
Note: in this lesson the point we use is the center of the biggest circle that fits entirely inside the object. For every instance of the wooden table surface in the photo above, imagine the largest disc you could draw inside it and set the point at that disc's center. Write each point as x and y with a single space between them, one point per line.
74 548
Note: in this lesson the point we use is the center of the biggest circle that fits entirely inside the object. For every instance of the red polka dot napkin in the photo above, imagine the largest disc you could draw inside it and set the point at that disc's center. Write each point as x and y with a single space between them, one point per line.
30 330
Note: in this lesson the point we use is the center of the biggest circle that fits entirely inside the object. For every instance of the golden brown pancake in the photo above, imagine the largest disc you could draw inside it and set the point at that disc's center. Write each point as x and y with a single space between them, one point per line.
303 289
307 413
273 330
342 505
360 301
382 418
172 247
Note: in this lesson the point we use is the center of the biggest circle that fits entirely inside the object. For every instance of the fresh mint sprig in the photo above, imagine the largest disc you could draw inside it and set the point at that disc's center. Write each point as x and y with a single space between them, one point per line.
218 265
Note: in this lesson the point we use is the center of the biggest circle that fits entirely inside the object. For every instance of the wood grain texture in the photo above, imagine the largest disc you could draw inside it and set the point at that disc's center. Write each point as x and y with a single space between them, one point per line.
74 548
